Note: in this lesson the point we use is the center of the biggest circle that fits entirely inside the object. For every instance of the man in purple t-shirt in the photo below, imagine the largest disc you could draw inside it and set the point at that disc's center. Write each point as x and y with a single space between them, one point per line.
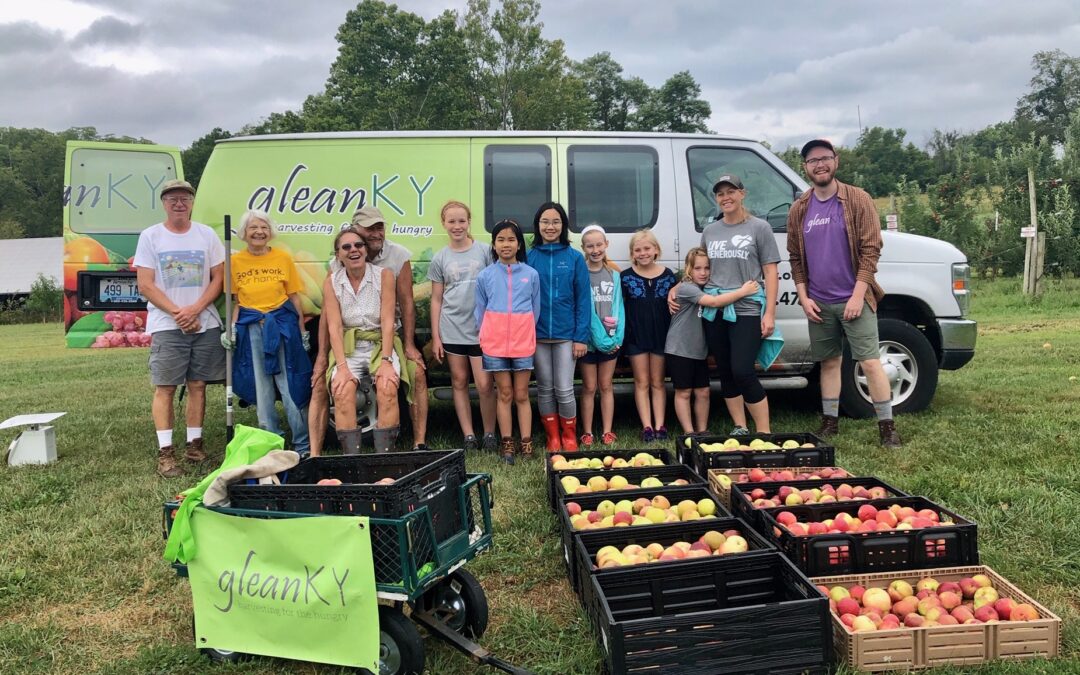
834 241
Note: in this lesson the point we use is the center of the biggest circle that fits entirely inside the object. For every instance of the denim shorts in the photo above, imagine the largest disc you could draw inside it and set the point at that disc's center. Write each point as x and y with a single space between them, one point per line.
504 363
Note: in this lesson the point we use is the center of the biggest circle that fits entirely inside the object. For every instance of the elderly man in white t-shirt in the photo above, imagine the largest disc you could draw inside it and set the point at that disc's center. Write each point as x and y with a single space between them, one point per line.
180 266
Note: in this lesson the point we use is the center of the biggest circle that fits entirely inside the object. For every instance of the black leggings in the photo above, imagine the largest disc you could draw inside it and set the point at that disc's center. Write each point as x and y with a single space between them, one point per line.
734 346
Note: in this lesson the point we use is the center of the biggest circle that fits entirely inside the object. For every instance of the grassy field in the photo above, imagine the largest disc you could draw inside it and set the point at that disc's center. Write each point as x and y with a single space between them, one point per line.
83 587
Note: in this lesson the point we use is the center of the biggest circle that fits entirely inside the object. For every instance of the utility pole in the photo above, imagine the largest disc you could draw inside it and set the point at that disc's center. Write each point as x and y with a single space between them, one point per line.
1034 255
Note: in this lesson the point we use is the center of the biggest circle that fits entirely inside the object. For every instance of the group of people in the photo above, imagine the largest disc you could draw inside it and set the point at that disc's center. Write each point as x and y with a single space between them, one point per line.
504 313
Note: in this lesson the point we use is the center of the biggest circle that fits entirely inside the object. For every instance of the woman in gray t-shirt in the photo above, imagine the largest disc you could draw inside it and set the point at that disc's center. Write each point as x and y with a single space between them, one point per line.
741 248
452 272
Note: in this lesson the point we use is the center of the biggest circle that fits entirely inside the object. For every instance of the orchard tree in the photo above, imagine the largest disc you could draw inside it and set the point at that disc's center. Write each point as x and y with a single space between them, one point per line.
676 107
614 100
1054 95
196 156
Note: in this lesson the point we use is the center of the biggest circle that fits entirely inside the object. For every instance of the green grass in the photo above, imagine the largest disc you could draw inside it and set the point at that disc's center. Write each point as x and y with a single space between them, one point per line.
83 587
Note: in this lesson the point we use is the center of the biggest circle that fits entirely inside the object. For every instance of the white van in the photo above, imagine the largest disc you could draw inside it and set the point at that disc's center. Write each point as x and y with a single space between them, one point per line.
311 183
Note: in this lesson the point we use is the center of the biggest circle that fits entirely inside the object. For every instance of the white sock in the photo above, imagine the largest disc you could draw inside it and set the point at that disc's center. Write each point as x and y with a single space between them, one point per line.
164 438
193 433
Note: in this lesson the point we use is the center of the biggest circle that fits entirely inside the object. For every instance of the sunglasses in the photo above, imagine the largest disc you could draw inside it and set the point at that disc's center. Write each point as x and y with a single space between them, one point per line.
348 246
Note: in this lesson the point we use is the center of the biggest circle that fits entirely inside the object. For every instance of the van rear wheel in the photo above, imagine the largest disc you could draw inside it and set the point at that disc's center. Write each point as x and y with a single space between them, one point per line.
909 362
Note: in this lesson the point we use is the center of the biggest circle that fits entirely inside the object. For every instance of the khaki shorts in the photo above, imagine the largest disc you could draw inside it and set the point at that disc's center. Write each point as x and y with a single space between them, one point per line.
177 357
827 338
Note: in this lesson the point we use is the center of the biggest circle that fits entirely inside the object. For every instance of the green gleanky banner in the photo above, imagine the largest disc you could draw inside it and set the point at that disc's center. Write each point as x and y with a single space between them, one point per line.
295 588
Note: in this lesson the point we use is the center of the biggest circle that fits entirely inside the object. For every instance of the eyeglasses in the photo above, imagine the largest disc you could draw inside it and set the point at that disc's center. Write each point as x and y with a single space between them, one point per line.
820 160
545 223
348 246
179 200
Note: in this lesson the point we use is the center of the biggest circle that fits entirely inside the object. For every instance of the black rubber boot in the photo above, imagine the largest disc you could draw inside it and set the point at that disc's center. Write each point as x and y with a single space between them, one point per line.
385 439
351 440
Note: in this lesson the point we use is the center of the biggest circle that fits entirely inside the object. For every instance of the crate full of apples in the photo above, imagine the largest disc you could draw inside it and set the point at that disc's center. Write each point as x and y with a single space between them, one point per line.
760 450
748 499
936 617
622 480
722 480
597 460
876 535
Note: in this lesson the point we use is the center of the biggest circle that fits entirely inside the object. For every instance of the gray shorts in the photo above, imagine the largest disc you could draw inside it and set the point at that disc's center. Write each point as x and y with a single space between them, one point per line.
177 357
827 338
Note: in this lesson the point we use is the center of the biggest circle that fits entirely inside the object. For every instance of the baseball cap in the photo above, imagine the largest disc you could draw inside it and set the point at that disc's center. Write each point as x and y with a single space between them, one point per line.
177 184
367 216
816 143
733 181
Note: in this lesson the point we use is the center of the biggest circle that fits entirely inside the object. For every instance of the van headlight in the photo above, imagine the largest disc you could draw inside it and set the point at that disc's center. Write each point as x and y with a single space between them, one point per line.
961 286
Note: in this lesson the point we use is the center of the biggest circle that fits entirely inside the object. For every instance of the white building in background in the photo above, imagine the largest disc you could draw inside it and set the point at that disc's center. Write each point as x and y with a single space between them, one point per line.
21 260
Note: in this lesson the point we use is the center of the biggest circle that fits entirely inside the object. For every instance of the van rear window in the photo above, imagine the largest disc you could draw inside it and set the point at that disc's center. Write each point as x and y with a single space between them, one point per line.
517 179
614 186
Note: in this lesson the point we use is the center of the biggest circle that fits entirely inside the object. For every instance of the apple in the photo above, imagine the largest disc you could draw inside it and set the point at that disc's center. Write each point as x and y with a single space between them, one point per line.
962 614
968 586
661 502
862 623
570 484
1004 607
606 508
847 605
950 586
573 508
786 518
706 507
877 599
847 619
617 483
950 600
595 516
927 584
982 580
905 606
624 505
714 539
734 544
838 593
928 603
867 512
652 482
641 503
987 613
900 589
654 550
947 620
1023 612
623 518
913 620
686 506
857 592
985 596
329 481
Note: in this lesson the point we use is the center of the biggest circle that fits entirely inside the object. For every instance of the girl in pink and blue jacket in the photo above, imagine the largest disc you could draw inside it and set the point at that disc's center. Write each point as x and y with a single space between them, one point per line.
507 308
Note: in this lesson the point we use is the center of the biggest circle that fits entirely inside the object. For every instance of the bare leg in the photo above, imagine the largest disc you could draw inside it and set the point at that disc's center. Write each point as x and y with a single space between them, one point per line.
485 390
737 410
656 388
387 401
345 407
418 411
876 380
318 416
639 364
196 403
760 412
701 409
524 405
505 392
830 378
588 395
459 382
606 371
682 410
162 407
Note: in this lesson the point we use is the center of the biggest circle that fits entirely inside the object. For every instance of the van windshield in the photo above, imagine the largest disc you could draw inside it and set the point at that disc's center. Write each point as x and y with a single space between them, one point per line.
768 193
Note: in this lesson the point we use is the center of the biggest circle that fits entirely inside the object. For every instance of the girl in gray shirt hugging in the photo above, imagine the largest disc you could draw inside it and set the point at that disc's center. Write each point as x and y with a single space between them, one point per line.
685 351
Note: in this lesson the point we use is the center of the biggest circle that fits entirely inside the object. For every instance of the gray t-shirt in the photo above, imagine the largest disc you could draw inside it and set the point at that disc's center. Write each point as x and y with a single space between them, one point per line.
392 257
736 254
603 290
457 272
686 335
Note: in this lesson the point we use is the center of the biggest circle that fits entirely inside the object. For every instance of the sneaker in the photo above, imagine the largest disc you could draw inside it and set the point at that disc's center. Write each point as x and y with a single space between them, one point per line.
648 435
661 433
609 438
490 442
193 451
421 447
587 439
471 443
740 431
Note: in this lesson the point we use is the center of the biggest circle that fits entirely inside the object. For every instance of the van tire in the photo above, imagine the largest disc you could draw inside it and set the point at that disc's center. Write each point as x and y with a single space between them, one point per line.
904 350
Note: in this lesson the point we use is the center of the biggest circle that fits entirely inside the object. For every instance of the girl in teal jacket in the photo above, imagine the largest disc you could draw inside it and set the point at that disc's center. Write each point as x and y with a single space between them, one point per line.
605 335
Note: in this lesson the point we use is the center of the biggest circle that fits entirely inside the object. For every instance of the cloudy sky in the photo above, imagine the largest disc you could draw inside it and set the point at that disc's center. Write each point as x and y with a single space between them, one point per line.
773 70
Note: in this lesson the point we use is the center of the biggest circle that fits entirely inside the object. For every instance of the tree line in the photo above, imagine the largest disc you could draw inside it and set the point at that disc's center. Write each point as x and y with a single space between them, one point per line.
490 67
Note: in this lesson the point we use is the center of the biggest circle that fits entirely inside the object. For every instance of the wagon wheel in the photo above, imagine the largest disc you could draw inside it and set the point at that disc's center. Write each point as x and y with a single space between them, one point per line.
460 603
401 649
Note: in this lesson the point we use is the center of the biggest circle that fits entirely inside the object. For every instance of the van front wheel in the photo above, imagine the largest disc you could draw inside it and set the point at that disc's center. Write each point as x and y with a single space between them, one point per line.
909 362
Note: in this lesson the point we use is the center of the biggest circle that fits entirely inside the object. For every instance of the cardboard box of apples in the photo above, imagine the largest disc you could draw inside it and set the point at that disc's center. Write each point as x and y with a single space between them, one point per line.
759 450
747 499
621 480
936 617
873 535
721 480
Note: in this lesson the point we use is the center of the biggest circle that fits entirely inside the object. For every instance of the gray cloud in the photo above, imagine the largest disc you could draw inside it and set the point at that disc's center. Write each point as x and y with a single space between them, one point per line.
108 30
24 37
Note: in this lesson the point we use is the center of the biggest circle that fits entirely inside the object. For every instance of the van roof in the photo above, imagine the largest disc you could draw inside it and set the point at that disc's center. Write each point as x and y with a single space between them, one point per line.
339 135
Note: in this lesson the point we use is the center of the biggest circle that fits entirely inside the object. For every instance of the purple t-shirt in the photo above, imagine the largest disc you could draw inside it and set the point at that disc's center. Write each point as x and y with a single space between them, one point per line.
828 256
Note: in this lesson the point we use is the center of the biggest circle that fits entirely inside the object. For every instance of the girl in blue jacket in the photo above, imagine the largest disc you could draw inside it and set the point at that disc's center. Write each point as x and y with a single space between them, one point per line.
605 335
563 330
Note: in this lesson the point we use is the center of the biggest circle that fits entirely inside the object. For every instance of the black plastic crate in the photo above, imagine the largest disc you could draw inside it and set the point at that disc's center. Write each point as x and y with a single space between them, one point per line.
731 614
861 552
588 543
822 454
742 506
429 478
667 474
662 454
588 502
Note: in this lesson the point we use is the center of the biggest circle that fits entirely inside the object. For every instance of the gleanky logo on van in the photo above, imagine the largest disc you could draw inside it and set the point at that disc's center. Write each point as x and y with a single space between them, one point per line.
293 197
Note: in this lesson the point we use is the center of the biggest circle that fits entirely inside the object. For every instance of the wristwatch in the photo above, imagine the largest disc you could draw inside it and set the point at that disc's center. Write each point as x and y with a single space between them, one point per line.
388 359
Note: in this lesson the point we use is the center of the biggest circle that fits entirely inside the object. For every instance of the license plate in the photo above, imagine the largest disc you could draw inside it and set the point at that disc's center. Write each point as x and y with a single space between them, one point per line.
119 290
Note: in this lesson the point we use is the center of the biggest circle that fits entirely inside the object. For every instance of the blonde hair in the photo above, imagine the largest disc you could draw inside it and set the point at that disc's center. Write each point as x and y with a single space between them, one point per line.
455 204
691 256
644 234
255 214
594 227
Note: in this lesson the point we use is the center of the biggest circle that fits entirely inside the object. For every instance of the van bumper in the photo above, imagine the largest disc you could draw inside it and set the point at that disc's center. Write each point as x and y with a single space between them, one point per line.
957 342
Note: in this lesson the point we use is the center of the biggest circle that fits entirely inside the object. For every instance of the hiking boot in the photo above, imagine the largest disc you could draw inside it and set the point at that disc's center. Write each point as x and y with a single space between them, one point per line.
471 443
193 451
490 442
609 438
166 463
508 449
889 437
830 426
526 448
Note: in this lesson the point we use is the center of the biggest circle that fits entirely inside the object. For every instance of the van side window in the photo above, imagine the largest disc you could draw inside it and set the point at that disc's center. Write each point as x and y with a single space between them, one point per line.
768 193
517 179
615 186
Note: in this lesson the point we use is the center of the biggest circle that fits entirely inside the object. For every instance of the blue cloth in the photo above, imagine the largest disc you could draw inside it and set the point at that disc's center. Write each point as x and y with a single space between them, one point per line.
264 392
770 346
280 326
599 339
565 293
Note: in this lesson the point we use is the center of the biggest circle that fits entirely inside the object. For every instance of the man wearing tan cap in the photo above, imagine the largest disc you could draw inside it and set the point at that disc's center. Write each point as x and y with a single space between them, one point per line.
180 265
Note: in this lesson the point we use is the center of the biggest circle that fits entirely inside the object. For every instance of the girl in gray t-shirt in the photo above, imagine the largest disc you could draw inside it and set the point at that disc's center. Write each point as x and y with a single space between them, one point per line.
452 272
685 351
